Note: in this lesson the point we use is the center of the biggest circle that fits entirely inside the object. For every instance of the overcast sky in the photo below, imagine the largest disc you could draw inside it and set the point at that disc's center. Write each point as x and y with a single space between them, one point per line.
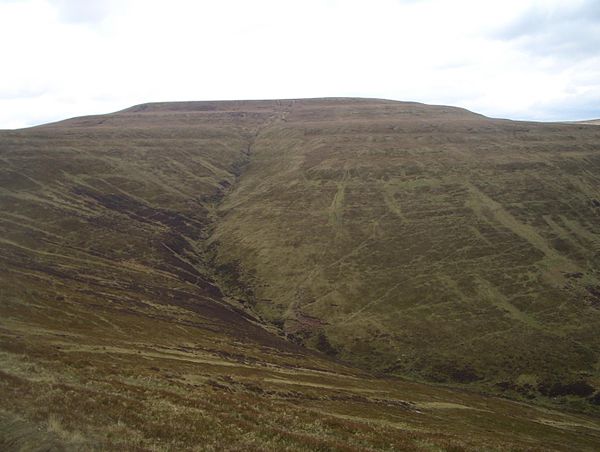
521 59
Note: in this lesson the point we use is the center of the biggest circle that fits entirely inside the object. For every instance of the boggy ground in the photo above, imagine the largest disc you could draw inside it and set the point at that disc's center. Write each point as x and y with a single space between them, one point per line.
160 266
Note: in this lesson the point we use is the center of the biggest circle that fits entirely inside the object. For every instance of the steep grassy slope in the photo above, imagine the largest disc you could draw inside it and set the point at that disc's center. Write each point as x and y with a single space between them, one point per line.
141 251
426 240
112 211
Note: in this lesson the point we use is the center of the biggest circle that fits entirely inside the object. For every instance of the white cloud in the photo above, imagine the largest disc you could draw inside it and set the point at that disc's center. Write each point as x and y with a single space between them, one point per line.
521 59
84 11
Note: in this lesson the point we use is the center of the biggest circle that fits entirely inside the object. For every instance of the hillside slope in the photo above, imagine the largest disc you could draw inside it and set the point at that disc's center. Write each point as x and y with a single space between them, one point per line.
160 265
425 240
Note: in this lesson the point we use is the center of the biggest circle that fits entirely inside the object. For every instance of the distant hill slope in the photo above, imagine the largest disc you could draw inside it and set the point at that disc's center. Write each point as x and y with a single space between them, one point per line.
162 267
424 240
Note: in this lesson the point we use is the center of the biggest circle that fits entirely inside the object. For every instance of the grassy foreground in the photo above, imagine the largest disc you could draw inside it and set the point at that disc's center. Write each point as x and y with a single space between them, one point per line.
122 381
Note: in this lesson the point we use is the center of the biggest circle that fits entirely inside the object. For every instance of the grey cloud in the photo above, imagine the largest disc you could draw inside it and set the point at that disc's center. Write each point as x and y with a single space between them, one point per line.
572 109
569 30
540 19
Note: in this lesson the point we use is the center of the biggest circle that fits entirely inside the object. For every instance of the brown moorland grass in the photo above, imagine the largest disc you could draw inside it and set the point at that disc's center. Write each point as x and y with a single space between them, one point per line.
258 275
